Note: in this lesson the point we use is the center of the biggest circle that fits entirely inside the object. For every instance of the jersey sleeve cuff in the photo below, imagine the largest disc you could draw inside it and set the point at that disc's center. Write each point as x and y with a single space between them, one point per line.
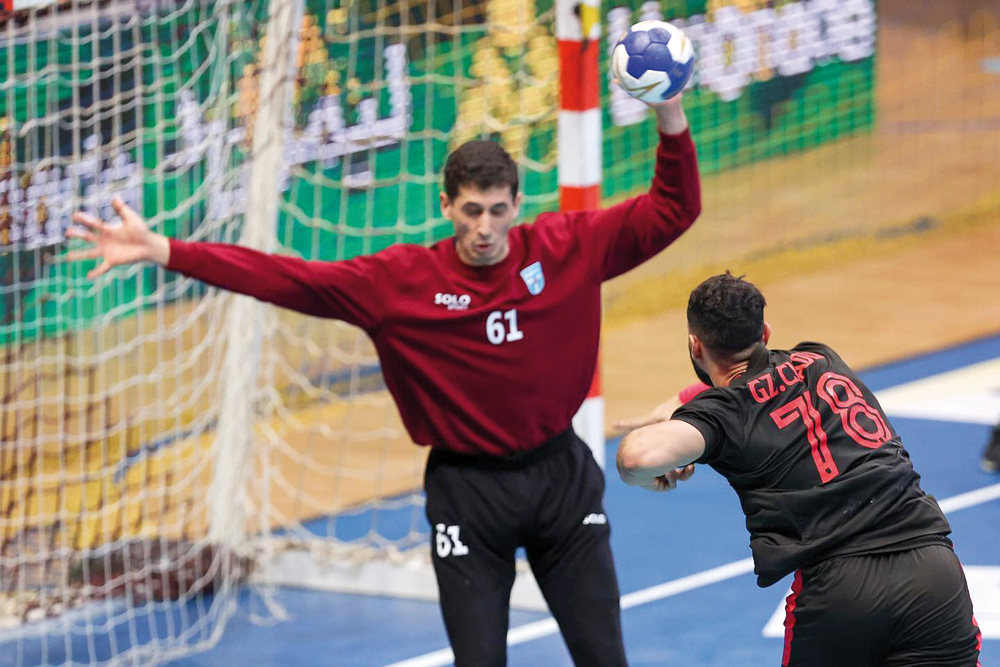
706 433
677 142
180 255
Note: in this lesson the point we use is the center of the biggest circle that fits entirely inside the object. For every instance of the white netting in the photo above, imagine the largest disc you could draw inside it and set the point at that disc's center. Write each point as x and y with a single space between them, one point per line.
111 545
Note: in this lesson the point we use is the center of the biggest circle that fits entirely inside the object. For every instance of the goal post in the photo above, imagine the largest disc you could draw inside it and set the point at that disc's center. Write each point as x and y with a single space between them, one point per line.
579 142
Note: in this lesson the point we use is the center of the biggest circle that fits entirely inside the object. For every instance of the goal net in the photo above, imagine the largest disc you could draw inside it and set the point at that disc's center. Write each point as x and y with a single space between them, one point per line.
163 442
120 536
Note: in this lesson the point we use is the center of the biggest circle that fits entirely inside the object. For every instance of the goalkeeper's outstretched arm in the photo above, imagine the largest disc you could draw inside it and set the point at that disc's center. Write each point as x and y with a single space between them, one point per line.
350 290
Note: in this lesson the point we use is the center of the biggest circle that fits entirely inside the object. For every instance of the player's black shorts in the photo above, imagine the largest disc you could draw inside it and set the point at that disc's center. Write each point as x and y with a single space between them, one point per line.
481 509
901 609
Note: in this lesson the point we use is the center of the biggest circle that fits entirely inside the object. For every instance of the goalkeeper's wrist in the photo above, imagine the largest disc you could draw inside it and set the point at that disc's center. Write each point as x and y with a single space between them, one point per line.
158 249
670 118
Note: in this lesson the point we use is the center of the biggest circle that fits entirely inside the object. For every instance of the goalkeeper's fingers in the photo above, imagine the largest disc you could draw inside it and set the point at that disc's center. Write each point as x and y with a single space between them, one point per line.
99 271
74 233
87 220
77 255
124 211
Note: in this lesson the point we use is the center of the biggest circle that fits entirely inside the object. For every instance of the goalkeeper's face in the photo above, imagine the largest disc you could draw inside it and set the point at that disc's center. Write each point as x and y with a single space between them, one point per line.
482 219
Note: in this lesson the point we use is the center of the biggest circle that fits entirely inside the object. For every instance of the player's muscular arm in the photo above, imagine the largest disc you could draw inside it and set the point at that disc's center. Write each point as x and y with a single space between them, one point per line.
656 451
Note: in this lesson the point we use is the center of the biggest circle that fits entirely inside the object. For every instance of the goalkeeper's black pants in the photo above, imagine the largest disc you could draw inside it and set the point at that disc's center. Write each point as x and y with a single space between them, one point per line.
481 509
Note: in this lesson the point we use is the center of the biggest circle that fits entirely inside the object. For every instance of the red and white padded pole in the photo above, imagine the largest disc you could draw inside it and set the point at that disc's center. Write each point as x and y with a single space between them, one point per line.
17 5
578 31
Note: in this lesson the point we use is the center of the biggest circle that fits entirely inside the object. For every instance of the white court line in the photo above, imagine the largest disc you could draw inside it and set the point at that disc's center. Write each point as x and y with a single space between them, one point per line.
970 499
545 627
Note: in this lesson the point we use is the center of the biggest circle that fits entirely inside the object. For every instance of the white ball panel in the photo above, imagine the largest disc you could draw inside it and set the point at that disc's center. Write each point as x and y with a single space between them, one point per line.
649 87
681 48
619 61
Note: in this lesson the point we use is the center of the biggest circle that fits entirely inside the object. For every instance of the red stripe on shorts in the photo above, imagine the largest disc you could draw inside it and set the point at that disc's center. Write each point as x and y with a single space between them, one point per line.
790 604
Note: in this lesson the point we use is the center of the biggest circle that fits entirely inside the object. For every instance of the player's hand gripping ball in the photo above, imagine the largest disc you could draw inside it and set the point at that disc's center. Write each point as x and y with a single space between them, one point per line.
653 61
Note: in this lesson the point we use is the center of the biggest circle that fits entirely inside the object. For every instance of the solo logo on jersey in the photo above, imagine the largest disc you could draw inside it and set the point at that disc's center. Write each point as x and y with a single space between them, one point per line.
453 301
534 278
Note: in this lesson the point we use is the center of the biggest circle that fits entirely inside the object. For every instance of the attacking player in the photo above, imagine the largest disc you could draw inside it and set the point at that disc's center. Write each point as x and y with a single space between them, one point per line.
488 343
828 491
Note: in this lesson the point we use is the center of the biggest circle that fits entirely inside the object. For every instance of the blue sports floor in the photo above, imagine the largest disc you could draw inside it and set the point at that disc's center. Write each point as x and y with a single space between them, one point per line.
689 596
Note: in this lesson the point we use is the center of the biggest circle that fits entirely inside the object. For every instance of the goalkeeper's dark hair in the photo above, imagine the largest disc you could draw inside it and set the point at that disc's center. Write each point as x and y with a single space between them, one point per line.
482 164
727 314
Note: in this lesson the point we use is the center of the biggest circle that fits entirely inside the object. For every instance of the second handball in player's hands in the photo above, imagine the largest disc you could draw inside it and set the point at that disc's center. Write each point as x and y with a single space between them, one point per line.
653 61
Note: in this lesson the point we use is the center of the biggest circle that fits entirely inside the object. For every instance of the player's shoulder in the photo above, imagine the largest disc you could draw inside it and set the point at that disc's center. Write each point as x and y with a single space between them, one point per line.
721 414
402 253
548 224
811 346
816 348
729 398
555 231
398 259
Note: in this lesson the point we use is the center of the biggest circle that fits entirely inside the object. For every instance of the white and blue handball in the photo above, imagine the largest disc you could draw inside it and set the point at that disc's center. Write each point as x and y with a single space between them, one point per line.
653 61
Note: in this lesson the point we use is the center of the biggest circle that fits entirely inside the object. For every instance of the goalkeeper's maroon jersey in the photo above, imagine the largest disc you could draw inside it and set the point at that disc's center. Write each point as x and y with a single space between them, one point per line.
819 470
481 360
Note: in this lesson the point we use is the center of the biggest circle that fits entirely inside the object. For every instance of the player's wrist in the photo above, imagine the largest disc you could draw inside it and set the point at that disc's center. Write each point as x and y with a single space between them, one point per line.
670 118
158 249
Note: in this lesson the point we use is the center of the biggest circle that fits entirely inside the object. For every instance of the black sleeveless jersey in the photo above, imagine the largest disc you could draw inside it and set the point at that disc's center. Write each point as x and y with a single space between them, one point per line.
819 470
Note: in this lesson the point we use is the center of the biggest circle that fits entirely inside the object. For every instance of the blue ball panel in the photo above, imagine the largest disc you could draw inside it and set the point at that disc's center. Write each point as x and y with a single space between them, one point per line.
636 66
657 57
679 74
636 42
658 35
680 71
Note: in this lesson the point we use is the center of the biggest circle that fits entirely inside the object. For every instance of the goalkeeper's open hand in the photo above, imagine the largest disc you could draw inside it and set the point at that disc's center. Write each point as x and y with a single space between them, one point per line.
115 245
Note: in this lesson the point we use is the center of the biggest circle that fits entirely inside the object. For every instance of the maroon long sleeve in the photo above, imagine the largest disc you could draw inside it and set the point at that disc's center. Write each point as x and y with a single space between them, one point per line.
476 361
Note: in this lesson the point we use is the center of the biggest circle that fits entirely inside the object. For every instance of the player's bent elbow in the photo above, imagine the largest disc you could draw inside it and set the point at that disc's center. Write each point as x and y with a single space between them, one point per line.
633 457
625 457
630 475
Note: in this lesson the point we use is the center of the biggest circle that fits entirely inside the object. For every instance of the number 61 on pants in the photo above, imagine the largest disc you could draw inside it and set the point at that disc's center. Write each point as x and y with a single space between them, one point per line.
447 542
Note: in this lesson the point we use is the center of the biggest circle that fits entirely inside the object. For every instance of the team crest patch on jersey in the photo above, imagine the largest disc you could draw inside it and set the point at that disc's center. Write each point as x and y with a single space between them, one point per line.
534 278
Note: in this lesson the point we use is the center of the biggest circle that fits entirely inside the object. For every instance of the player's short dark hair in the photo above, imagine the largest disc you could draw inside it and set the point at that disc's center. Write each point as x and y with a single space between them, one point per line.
726 313
483 164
